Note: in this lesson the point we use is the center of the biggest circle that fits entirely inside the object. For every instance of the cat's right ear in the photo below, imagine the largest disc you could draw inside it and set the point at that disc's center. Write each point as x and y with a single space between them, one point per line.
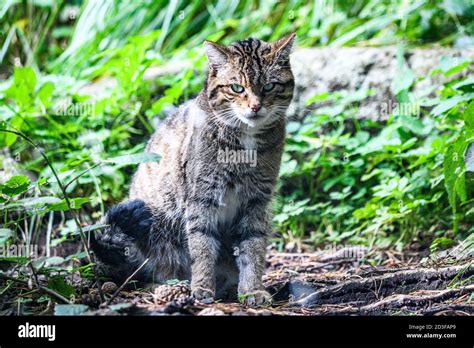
216 54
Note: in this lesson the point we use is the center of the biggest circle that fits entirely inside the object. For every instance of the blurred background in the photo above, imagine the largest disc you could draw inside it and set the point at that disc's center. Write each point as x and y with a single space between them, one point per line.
84 84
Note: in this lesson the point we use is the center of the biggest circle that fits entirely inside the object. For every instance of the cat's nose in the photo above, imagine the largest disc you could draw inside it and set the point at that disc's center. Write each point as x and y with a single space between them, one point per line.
255 107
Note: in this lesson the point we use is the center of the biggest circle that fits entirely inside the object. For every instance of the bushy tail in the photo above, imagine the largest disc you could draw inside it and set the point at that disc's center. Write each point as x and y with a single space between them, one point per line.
119 247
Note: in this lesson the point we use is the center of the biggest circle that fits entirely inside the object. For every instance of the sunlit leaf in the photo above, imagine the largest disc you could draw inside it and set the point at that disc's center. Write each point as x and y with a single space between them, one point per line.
125 160
15 185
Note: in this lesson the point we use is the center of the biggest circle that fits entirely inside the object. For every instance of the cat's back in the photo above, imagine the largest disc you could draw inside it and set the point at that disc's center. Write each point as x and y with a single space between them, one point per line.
176 128
171 142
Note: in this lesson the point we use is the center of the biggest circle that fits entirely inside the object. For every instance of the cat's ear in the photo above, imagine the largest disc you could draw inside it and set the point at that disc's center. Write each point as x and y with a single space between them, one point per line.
281 49
216 54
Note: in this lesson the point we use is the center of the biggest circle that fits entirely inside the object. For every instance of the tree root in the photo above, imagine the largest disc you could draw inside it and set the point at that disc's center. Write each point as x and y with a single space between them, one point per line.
420 303
367 290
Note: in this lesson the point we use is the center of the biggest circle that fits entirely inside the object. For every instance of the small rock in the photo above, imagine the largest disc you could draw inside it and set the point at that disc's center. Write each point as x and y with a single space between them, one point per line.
180 305
206 300
210 311
109 287
251 311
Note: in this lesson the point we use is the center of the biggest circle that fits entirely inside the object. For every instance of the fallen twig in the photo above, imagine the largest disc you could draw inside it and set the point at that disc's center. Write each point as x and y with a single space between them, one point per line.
40 288
126 282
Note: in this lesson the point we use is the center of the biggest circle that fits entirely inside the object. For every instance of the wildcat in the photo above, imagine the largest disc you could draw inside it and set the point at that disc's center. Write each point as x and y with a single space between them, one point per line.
199 215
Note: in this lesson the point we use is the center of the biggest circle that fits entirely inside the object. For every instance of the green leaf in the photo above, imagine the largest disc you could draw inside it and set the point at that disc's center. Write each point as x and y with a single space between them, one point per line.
75 203
414 125
454 171
467 83
76 256
59 284
137 158
37 202
25 76
22 260
70 309
389 137
89 228
450 103
317 98
54 260
45 93
5 234
403 80
94 227
468 116
441 243
13 120
451 65
15 185
404 76
23 87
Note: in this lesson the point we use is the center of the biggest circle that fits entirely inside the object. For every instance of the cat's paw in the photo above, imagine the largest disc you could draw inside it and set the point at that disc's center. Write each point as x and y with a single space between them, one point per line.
256 298
202 294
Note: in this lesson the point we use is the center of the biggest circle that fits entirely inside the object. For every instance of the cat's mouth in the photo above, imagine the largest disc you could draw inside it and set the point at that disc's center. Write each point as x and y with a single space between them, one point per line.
254 120
251 118
254 115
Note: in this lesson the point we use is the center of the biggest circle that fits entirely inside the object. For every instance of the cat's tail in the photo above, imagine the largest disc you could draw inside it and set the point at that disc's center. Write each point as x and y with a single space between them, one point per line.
119 247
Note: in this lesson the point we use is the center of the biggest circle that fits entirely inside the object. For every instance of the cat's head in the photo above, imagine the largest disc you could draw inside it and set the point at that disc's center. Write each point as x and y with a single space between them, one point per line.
250 83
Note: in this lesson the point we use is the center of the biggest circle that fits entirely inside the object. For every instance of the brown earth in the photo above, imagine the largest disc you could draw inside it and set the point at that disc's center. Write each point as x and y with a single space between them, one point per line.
301 284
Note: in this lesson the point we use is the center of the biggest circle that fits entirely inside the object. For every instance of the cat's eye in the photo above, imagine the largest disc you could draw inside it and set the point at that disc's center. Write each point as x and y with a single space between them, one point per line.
237 88
268 87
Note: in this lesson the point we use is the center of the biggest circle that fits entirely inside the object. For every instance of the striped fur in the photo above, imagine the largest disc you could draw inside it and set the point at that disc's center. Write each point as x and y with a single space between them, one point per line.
211 217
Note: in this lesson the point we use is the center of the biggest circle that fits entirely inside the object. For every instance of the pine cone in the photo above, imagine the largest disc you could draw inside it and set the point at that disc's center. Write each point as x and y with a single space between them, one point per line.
167 293
92 298
109 288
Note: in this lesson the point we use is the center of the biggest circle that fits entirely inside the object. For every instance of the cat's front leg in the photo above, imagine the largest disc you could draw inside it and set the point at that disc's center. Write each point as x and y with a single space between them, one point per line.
203 251
253 230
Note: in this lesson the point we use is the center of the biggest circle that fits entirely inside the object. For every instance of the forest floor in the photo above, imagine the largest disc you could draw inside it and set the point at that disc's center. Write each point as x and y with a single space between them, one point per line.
330 284
301 284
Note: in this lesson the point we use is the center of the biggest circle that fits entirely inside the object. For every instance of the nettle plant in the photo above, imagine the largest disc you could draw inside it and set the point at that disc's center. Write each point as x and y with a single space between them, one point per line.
353 180
70 152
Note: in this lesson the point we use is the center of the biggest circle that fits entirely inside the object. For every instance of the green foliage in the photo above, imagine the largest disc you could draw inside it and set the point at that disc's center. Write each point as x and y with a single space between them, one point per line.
15 185
368 183
342 179
182 25
58 284
441 243
454 163
5 234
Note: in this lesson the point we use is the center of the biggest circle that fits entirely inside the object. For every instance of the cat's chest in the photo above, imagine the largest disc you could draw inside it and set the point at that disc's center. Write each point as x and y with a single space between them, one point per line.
248 142
229 206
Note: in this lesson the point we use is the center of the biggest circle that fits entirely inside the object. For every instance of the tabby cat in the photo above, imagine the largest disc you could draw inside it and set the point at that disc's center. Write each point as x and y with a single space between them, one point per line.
203 211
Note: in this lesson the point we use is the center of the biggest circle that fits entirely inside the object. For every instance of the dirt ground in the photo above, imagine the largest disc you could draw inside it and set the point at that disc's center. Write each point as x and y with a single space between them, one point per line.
340 283
330 284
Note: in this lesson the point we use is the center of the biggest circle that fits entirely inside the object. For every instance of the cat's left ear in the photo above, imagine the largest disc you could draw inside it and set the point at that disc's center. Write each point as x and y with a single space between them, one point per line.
281 49
216 54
